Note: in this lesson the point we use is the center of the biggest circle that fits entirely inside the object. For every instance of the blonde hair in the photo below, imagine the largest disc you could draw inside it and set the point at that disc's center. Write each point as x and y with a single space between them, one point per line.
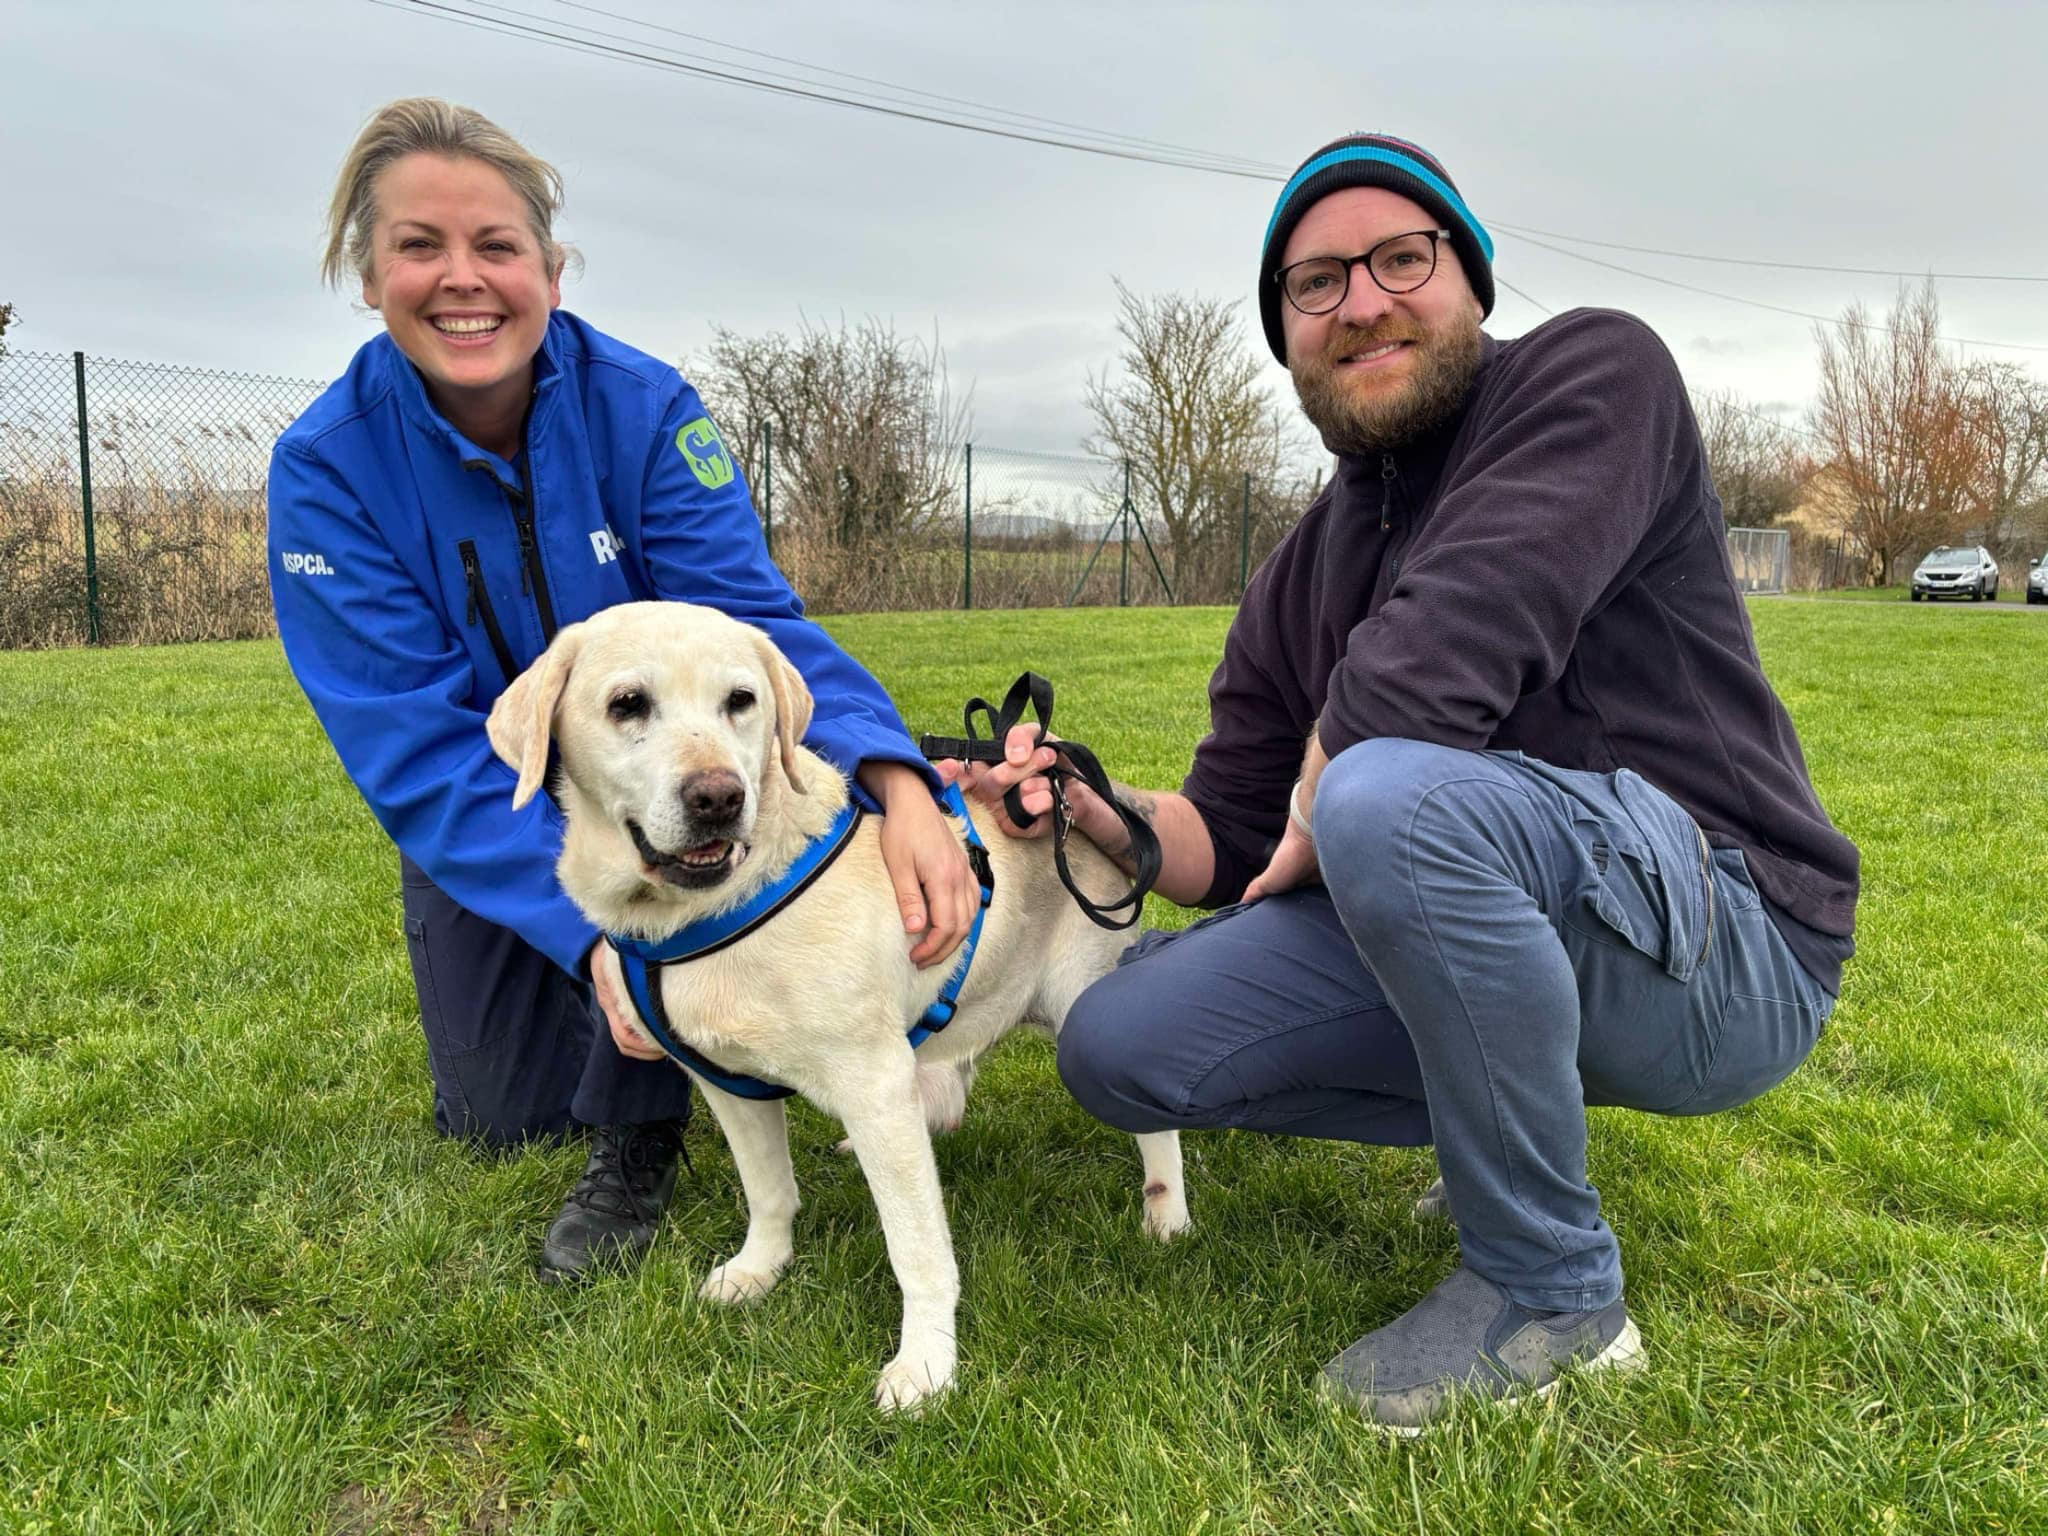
428 125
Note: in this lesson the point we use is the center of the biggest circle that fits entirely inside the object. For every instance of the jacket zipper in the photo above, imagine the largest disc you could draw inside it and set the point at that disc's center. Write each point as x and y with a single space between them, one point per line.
1386 492
479 606
533 581
530 568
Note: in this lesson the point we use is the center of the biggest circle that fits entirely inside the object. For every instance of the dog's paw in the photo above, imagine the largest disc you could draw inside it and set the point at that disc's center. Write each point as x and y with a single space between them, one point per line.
907 1384
1166 1211
731 1286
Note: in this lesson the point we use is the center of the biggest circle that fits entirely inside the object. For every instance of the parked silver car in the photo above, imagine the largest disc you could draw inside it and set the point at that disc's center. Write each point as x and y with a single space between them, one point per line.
2037 581
1963 570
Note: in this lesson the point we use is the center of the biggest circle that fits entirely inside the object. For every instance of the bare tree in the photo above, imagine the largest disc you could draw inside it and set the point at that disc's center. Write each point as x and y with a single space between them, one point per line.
866 430
6 319
1185 408
2009 407
1894 422
1756 463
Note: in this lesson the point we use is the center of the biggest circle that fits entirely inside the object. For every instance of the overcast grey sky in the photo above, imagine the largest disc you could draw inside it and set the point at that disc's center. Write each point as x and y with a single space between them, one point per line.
168 165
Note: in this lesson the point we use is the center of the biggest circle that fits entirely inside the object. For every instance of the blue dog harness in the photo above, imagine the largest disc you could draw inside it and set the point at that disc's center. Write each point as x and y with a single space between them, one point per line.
642 961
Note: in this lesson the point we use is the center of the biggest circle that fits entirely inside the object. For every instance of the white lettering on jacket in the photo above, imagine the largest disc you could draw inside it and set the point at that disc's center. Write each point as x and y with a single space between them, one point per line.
296 564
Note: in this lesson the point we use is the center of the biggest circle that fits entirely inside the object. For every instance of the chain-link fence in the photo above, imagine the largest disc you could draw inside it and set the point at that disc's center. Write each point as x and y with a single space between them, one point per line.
131 509
1014 529
1762 558
131 499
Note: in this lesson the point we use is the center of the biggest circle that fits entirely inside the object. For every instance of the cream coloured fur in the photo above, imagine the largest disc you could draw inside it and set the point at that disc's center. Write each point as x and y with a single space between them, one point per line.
822 996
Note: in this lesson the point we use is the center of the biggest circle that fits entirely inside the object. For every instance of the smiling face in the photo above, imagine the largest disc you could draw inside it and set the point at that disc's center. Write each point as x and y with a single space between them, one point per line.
464 287
1381 368
675 748
673 721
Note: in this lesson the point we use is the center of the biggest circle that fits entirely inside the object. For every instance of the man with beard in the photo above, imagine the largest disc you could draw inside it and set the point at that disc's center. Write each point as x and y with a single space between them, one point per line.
1508 818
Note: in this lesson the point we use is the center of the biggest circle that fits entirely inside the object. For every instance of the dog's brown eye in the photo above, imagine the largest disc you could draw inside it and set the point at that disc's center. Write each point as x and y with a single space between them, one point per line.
739 699
630 705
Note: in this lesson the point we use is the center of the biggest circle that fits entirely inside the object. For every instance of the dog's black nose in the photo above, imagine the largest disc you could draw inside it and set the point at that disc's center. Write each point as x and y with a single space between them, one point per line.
713 795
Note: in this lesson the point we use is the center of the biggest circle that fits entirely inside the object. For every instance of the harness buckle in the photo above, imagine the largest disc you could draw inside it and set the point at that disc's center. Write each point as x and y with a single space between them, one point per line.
984 872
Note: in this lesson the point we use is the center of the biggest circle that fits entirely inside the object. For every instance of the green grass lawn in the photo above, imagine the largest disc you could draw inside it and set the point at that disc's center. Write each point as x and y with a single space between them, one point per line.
2009 591
244 1288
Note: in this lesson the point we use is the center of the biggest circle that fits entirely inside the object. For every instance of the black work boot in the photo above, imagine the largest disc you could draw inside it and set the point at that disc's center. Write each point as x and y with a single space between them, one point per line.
610 1216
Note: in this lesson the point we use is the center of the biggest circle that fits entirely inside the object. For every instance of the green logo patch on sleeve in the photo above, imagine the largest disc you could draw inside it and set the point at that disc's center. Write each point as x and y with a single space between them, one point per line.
701 447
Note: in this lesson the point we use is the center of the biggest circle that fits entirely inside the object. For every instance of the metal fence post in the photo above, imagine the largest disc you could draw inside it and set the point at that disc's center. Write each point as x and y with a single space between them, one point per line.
768 485
92 566
1244 539
967 537
1123 580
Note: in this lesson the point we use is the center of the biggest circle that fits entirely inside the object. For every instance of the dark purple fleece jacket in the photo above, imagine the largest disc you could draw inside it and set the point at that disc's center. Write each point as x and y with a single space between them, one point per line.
1548 572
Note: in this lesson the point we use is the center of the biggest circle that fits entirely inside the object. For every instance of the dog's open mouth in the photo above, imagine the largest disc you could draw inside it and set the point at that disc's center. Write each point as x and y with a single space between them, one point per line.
691 868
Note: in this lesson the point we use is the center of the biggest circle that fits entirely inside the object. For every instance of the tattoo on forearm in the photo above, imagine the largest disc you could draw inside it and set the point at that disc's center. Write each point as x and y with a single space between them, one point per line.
1145 806
1142 801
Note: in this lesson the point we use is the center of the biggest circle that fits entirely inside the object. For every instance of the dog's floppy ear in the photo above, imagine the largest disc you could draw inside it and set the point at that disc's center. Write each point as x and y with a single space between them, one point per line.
792 707
522 721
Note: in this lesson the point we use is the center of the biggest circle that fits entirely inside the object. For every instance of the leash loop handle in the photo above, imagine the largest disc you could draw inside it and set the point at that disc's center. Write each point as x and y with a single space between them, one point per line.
1077 762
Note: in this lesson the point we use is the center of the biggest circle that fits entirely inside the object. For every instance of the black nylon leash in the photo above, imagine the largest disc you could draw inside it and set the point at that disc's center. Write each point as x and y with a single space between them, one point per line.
1077 762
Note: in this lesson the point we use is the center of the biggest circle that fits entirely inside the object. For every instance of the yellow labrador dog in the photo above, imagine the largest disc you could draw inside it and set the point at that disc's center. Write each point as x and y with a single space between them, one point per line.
686 789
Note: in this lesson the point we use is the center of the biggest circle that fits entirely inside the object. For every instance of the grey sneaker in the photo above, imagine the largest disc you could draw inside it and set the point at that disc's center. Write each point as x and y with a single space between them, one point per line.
608 1221
1433 1204
1466 1336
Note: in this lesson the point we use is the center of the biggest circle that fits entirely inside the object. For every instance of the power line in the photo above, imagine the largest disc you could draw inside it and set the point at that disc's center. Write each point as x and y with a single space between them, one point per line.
580 44
979 107
585 40
1767 419
1787 266
1803 314
1273 171
1525 297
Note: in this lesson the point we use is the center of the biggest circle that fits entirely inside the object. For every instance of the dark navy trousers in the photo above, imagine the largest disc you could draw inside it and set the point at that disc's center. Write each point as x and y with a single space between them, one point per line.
518 1049
1497 944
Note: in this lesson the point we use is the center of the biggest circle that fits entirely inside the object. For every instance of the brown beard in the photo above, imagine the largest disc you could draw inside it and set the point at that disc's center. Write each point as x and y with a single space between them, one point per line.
1440 375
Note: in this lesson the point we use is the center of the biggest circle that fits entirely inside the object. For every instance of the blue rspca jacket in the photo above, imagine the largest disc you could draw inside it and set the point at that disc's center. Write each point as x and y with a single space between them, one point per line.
415 574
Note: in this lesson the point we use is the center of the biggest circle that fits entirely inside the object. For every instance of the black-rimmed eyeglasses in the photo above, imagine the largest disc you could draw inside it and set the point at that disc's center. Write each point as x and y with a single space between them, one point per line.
1398 264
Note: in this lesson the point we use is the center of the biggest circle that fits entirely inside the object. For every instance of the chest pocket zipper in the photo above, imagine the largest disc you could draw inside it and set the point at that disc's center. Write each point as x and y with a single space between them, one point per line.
479 607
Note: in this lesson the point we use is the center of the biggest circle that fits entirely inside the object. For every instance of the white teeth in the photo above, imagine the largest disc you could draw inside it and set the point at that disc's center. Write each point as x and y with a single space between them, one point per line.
452 326
1366 357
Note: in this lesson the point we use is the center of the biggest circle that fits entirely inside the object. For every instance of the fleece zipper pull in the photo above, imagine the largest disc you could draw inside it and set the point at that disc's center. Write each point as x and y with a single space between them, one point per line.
1386 492
526 553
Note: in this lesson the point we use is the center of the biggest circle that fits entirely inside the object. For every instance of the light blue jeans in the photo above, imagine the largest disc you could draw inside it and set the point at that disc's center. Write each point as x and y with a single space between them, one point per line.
1497 944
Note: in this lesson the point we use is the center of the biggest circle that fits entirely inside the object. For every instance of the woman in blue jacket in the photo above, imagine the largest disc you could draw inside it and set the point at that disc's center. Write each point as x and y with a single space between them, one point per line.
488 469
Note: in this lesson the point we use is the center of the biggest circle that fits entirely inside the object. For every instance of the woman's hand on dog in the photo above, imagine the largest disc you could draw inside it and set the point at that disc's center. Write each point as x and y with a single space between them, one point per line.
626 1032
935 886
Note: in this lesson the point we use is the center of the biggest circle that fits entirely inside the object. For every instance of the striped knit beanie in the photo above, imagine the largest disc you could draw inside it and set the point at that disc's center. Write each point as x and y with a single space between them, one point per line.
1372 160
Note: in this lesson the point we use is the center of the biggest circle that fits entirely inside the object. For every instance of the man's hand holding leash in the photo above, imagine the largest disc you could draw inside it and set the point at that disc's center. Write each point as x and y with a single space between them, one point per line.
1187 856
1188 862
